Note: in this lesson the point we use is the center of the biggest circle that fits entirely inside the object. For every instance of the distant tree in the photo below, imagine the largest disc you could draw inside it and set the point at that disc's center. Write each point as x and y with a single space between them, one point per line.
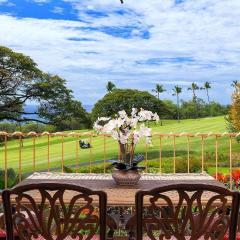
73 117
194 87
235 84
172 110
158 90
187 109
176 92
235 109
8 127
110 86
22 81
207 86
126 99
37 127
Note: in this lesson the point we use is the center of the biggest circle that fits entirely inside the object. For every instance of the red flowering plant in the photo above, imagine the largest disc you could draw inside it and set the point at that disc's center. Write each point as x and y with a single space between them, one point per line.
227 238
225 178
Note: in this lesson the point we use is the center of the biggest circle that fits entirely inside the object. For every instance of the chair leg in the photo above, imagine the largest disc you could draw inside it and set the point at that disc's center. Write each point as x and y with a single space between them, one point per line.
110 234
131 235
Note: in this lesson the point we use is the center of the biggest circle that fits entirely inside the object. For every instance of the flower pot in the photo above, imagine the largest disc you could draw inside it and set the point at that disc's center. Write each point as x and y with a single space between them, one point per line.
126 178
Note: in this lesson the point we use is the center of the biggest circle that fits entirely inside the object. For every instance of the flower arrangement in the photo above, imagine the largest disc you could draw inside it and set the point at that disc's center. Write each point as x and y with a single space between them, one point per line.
127 130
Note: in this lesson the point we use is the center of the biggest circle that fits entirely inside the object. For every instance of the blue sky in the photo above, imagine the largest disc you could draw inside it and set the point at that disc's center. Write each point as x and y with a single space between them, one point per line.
136 44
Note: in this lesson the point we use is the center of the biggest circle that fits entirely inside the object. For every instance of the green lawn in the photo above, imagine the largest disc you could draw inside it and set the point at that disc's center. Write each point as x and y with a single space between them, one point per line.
215 125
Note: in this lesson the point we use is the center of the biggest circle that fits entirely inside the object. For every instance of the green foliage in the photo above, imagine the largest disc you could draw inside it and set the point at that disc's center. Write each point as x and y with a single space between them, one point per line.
61 110
235 109
172 110
187 109
37 127
67 169
12 178
8 127
69 115
22 81
158 89
110 86
126 99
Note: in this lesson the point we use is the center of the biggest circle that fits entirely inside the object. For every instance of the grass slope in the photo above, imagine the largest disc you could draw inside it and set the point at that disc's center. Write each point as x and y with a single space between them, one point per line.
74 158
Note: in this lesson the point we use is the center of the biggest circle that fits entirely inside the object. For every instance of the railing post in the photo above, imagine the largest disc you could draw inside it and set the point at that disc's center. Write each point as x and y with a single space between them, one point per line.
216 156
48 152
77 154
160 154
188 154
90 154
5 162
104 149
34 153
20 158
62 153
202 143
174 154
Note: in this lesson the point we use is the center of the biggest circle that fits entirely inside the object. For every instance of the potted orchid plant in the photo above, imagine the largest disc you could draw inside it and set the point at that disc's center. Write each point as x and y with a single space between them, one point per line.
128 131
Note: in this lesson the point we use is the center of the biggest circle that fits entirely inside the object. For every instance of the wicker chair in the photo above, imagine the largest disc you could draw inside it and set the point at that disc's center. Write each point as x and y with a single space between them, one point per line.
186 215
42 212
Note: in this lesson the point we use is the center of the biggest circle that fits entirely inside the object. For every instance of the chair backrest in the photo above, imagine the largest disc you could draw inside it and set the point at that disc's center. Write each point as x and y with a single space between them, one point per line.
187 211
54 211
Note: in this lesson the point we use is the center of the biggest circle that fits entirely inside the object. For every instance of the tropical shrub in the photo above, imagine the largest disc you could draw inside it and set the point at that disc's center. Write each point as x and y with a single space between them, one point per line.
235 109
127 99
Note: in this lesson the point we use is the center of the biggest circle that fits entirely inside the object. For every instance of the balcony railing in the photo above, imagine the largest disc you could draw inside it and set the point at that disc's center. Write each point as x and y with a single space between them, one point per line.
30 152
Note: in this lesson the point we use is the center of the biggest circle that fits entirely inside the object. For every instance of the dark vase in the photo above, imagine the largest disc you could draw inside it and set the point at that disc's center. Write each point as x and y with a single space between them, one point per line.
126 177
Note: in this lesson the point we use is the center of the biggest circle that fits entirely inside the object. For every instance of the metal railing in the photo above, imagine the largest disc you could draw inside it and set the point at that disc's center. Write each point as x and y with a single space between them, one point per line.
10 141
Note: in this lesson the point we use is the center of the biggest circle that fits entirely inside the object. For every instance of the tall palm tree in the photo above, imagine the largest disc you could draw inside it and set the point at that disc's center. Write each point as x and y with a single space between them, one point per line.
234 84
158 89
194 87
110 86
207 86
176 92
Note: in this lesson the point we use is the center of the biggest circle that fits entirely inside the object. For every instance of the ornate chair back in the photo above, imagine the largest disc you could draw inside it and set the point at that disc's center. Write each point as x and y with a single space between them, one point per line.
187 211
54 211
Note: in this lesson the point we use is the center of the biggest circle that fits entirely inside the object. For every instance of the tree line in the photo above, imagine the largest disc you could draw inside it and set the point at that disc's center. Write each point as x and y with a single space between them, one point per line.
21 82
194 108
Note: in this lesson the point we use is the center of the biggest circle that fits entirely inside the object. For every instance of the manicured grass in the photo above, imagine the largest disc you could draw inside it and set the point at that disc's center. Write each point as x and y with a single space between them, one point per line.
74 159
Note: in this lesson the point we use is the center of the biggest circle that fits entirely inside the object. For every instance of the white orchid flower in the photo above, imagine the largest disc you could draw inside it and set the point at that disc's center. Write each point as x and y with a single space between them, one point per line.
124 128
122 114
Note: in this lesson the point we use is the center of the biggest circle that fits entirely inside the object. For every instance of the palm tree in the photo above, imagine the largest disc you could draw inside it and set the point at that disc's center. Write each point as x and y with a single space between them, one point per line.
176 91
235 84
158 89
110 86
207 86
194 87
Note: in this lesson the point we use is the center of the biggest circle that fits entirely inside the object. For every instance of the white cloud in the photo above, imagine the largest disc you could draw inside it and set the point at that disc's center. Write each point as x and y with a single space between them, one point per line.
206 31
40 1
58 10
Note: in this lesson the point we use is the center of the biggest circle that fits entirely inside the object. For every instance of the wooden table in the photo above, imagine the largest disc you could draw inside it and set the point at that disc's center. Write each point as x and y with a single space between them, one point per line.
120 195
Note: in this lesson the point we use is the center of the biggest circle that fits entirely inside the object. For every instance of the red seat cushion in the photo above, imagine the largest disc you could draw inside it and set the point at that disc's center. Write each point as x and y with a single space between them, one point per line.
2 233
95 237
